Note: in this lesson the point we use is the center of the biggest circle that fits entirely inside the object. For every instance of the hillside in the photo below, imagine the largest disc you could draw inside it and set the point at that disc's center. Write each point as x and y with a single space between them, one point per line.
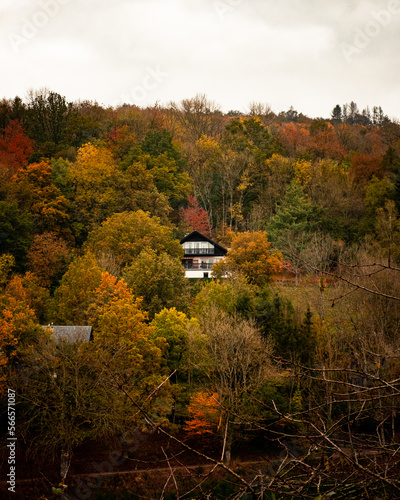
288 356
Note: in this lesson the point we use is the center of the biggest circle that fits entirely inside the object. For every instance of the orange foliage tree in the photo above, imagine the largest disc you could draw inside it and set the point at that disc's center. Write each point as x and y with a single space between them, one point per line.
295 138
205 414
48 256
250 254
18 324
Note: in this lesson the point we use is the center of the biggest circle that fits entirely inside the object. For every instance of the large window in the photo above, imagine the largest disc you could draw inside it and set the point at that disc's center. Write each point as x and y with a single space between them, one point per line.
198 247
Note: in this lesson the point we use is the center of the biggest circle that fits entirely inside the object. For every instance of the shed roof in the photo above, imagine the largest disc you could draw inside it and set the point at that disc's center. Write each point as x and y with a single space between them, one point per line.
71 333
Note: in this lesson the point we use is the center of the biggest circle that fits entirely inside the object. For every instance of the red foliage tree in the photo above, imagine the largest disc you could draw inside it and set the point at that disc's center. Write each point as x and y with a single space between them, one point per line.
15 147
195 217
325 144
365 166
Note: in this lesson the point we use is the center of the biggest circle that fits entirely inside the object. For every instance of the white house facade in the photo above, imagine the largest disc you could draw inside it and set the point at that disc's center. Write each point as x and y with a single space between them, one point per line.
201 253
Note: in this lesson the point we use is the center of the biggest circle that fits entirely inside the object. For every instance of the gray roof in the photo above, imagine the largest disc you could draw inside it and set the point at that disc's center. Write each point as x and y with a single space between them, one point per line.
71 333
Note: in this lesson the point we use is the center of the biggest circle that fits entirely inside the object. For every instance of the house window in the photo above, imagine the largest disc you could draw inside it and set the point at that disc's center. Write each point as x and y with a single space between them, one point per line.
198 247
205 275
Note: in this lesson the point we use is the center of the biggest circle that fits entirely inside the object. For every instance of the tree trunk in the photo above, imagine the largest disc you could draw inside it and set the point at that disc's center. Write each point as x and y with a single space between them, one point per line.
65 462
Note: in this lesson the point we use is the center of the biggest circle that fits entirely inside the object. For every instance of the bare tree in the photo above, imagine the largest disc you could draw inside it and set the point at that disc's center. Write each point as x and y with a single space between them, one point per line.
199 116
235 358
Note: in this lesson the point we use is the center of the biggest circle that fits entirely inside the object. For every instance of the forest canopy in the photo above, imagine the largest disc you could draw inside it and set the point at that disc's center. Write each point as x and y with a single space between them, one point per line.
297 332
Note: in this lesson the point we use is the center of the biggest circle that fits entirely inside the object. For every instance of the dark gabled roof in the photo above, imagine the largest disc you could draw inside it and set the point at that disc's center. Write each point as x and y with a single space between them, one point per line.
71 333
197 236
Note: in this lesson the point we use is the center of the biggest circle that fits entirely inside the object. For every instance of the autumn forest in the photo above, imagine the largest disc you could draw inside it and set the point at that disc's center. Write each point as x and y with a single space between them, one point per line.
279 377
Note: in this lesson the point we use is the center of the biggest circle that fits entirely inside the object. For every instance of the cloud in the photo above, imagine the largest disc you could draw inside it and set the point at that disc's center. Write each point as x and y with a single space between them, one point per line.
236 51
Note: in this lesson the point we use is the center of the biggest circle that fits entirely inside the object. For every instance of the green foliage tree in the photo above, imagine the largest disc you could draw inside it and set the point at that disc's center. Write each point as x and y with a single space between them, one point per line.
277 319
159 279
15 232
37 195
167 176
160 142
76 291
141 193
173 326
48 113
7 263
233 296
292 228
123 236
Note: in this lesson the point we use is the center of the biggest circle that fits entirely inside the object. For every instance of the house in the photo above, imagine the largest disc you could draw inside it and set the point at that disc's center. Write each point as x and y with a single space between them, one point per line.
71 333
201 253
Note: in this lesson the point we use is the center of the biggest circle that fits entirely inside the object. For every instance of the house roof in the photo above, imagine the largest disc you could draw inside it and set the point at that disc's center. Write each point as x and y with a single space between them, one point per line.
197 236
71 333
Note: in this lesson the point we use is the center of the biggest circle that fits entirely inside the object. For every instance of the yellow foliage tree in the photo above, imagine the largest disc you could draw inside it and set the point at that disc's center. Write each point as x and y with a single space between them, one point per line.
119 322
95 179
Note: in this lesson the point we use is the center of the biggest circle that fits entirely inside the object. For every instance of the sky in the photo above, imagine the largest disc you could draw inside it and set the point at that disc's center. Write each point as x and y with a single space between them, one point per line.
309 54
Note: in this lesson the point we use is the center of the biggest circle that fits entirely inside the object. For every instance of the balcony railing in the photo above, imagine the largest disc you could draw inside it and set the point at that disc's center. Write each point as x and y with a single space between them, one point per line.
197 265
199 251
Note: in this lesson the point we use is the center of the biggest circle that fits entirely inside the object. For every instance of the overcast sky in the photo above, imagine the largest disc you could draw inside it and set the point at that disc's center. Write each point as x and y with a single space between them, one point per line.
309 54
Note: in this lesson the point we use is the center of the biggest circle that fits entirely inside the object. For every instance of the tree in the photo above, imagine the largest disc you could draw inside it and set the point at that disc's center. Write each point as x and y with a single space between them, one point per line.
203 165
141 193
117 317
69 394
168 177
325 144
387 229
295 138
36 194
76 291
15 147
7 262
336 114
159 279
95 179
123 236
292 227
270 182
250 254
18 321
233 296
15 232
236 361
204 415
48 113
159 142
198 116
277 320
365 166
120 324
48 257
195 217
173 326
